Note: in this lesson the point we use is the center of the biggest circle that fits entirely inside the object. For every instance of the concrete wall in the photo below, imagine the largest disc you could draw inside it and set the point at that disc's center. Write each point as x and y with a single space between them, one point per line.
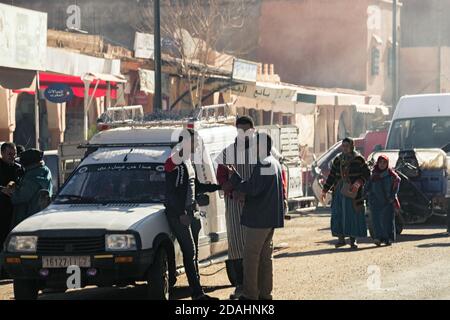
381 84
425 23
8 101
424 70
315 42
112 19
327 43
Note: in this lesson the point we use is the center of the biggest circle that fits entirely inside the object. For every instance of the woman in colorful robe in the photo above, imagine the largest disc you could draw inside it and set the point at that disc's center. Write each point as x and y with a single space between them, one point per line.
382 192
349 173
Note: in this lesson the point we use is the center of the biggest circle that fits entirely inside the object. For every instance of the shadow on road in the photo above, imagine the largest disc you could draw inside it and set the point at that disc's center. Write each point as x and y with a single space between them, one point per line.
418 237
320 252
434 245
127 293
178 293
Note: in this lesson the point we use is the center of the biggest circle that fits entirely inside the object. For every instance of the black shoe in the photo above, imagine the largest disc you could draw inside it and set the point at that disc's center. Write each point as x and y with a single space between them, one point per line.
204 297
340 243
243 298
237 293
353 244
387 243
377 242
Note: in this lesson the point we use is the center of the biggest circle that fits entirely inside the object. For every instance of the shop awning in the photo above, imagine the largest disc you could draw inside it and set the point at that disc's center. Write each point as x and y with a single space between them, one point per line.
61 61
98 88
371 108
16 79
274 106
104 77
317 97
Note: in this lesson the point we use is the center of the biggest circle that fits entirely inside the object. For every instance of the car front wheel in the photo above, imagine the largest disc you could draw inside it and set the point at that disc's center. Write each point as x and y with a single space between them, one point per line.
25 289
158 277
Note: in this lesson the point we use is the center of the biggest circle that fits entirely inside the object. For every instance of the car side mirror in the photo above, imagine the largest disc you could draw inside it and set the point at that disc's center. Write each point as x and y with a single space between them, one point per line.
202 200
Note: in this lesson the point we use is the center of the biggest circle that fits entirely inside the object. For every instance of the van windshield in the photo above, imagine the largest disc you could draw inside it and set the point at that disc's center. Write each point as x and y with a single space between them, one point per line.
115 183
431 132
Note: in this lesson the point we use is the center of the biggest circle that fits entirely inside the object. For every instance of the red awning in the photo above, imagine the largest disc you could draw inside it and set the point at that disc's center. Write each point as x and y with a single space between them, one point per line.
77 85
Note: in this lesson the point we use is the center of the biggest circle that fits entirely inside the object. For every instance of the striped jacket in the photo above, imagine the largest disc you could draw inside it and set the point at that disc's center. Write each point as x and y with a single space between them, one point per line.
351 171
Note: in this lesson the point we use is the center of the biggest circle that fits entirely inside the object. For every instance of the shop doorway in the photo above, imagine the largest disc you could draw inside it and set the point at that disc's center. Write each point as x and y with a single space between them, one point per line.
25 133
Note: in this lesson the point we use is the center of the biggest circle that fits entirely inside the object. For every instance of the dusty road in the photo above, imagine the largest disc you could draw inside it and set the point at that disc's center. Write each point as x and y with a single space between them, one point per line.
307 266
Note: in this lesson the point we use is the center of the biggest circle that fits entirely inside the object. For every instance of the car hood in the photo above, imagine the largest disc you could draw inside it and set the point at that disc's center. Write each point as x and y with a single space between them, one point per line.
120 217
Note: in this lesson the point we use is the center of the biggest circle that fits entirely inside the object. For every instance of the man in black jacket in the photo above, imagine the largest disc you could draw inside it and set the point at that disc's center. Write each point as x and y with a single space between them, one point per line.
182 186
263 211
10 172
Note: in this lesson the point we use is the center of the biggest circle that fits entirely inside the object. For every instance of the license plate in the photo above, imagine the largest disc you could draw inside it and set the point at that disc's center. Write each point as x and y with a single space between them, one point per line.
66 261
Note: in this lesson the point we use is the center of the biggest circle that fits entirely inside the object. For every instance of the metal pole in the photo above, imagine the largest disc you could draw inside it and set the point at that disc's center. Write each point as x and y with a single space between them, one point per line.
157 103
36 112
108 96
86 105
394 56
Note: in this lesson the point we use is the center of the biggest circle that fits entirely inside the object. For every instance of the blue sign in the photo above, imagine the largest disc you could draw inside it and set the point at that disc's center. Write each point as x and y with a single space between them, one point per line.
58 93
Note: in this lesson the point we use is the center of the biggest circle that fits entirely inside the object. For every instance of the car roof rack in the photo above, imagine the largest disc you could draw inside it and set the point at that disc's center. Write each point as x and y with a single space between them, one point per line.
126 145
133 116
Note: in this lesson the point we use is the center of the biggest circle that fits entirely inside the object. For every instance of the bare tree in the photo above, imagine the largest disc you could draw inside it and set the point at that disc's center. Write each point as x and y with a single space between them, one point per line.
196 28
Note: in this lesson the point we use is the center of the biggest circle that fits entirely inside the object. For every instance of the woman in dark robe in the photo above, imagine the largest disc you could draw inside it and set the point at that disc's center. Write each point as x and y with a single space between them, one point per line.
382 192
346 180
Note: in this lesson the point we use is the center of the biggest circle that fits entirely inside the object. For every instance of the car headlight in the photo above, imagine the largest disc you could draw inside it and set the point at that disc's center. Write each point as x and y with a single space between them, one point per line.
22 244
120 242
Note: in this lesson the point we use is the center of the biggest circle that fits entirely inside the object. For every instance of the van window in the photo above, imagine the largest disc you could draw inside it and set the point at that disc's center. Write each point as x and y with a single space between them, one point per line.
115 183
419 133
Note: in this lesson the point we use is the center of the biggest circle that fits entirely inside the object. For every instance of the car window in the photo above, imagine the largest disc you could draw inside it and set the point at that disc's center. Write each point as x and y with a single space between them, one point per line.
115 183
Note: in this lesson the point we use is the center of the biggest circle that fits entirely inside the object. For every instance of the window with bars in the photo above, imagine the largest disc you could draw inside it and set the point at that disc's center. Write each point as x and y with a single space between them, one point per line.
375 61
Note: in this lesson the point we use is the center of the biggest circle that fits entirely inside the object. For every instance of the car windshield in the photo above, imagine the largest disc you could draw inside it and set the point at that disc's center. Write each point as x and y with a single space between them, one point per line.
115 183
419 133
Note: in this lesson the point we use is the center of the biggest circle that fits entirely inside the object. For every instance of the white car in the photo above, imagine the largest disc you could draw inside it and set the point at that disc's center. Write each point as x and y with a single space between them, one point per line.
109 217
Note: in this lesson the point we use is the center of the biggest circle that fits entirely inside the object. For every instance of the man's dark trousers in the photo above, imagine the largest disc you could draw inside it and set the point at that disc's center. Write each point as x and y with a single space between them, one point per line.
187 237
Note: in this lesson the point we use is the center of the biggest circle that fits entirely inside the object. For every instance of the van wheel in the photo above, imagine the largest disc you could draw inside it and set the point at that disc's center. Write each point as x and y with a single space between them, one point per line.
158 277
25 289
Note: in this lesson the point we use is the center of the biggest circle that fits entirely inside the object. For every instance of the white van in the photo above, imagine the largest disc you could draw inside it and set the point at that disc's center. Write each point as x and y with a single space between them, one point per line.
420 121
109 219
420 129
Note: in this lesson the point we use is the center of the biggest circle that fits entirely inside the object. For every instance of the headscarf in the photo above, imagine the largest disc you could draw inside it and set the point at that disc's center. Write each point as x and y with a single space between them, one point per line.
350 156
31 157
350 142
378 174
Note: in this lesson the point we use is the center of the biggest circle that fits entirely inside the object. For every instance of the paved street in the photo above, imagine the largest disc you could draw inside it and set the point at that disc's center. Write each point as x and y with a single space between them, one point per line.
307 266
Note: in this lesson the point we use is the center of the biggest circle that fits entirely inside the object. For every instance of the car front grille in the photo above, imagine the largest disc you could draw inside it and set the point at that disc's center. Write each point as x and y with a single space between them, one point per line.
71 245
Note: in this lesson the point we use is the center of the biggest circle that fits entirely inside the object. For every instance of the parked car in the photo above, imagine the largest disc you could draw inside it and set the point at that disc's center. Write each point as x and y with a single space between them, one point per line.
109 217
372 140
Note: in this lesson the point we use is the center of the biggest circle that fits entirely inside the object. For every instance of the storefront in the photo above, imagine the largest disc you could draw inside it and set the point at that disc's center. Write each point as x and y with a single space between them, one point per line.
23 52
